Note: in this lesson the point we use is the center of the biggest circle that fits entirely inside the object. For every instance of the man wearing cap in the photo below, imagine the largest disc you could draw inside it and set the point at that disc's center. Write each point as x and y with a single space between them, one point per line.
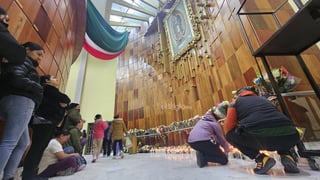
253 123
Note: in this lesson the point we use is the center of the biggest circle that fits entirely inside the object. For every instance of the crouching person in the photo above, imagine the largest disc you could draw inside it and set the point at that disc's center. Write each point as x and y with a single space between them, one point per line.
206 137
55 162
253 123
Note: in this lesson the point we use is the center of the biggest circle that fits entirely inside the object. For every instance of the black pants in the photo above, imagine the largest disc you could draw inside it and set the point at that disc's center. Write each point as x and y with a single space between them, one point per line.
114 146
250 145
41 136
106 146
211 151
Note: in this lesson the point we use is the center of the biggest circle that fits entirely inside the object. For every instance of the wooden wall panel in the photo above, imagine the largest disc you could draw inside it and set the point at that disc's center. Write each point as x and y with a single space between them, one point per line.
30 8
59 27
39 21
58 53
53 68
46 63
220 64
6 3
56 1
52 40
42 23
50 7
62 8
20 18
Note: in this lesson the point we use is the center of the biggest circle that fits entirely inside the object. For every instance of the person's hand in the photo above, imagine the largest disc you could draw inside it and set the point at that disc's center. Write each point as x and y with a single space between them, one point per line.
4 60
272 98
76 154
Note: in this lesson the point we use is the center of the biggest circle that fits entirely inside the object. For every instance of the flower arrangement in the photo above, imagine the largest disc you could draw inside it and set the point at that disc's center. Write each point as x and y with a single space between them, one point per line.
220 110
162 129
285 81
136 132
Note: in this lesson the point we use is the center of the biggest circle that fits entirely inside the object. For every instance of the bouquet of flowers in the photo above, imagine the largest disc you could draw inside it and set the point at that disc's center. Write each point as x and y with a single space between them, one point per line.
285 81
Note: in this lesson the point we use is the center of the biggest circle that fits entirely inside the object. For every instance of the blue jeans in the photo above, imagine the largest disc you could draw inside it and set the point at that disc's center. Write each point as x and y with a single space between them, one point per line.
17 112
68 149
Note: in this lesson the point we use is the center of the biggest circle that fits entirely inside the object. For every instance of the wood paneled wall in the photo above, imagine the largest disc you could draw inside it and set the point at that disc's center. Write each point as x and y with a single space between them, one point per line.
57 25
149 95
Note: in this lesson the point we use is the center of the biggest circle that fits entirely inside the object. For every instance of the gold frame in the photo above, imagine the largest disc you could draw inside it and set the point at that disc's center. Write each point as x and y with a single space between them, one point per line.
181 29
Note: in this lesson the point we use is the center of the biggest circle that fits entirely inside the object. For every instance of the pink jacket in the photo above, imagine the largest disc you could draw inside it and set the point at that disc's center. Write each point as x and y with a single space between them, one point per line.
98 129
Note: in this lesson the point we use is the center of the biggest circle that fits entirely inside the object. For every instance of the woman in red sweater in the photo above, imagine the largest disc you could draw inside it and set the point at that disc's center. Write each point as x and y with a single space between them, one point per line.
97 135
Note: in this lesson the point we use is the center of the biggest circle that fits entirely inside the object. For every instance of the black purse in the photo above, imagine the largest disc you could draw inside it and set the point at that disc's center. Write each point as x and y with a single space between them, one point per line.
39 120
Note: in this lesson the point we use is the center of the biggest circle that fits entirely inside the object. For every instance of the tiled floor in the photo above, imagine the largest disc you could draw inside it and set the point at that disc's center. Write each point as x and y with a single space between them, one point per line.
162 166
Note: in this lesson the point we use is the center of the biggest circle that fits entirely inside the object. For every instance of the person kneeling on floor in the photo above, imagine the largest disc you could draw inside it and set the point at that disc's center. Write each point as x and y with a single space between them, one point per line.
206 137
253 123
55 162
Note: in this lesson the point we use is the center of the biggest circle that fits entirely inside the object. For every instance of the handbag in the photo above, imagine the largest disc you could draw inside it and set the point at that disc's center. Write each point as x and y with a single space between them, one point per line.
128 142
39 120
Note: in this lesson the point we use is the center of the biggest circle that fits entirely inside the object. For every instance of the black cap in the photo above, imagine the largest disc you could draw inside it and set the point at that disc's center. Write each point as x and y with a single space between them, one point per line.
3 11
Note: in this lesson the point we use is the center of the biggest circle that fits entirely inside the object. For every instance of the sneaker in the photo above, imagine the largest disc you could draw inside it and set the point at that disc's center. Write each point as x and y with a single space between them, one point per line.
121 155
82 166
114 157
264 165
201 162
290 166
93 160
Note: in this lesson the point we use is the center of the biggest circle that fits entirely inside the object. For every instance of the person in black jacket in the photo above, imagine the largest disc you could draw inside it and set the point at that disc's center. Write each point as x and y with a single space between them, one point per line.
253 123
50 113
11 51
20 94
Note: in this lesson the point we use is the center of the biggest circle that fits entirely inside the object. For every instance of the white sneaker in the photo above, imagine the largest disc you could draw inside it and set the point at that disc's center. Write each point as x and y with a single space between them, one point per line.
114 157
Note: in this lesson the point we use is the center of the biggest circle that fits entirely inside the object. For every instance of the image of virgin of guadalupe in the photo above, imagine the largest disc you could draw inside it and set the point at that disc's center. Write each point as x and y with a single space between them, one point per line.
179 26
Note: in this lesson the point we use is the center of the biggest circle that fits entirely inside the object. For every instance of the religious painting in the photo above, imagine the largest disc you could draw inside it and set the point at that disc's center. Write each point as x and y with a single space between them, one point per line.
181 29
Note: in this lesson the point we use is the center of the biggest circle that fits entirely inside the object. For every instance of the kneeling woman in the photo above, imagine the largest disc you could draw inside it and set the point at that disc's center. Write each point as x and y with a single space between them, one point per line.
206 137
55 162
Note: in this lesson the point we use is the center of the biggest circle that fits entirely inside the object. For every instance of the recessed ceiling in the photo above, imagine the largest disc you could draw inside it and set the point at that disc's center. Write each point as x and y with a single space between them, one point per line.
123 15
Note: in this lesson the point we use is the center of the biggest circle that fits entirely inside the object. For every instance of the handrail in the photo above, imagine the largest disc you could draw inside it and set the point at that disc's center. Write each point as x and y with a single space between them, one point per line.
298 93
147 135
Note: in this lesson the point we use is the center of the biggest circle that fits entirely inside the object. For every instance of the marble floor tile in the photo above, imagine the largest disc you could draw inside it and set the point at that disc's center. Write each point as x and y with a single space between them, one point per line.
162 166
